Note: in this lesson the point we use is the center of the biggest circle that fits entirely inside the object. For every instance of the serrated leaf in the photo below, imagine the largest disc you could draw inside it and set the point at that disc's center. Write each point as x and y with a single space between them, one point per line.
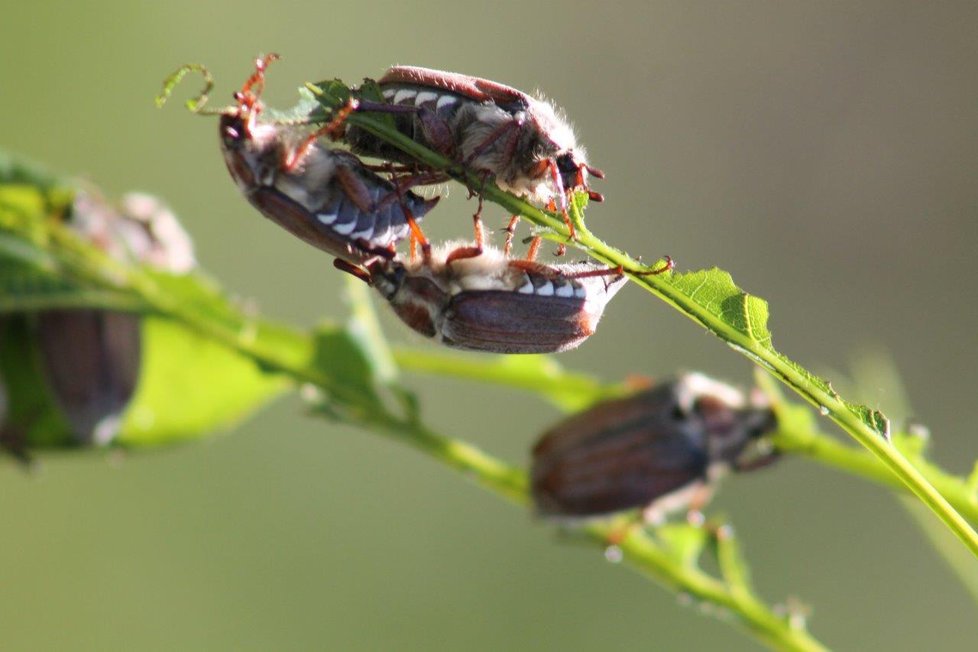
715 290
300 113
331 94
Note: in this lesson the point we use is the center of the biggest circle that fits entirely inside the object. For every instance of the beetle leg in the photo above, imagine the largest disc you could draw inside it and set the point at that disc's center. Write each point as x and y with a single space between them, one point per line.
337 125
607 271
417 235
253 87
667 267
758 462
406 182
462 253
436 131
508 127
533 249
702 493
351 269
510 232
532 267
330 129
477 225
12 442
562 193
355 189
369 106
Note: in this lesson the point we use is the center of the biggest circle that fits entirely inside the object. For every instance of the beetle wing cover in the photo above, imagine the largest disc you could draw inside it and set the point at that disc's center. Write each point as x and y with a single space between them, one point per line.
502 321
475 88
620 454
91 361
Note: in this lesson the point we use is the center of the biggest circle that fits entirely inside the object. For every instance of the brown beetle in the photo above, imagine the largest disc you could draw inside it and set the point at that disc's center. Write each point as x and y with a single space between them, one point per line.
660 449
523 141
91 358
490 302
326 197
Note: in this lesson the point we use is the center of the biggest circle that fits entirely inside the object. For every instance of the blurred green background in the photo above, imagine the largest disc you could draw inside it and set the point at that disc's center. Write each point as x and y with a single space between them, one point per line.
825 154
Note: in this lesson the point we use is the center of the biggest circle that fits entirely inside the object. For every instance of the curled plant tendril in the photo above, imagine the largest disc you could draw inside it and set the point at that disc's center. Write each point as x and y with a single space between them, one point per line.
194 104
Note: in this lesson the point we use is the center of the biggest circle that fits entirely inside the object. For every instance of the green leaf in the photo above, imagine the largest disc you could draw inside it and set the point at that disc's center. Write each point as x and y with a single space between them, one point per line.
17 171
715 291
339 355
190 386
364 328
331 94
298 114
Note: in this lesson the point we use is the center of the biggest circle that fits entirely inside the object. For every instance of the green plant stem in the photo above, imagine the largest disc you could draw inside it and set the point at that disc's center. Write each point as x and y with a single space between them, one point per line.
291 354
469 460
811 443
651 559
572 391
639 549
778 365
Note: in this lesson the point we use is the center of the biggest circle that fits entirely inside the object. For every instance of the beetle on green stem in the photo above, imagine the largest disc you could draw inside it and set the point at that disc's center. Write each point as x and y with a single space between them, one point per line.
660 449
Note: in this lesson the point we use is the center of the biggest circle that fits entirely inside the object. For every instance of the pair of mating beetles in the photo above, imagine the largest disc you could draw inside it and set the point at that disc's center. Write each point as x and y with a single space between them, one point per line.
468 295
660 448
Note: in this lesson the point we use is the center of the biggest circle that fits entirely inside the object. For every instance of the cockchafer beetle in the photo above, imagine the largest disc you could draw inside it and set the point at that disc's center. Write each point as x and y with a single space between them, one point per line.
90 358
326 197
482 300
660 449
523 141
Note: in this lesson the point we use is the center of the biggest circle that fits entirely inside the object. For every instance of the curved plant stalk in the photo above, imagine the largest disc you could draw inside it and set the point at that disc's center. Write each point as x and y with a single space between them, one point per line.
669 556
739 319
798 432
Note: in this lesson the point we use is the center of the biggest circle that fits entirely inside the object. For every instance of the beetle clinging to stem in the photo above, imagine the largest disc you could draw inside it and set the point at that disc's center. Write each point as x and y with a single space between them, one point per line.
326 197
522 141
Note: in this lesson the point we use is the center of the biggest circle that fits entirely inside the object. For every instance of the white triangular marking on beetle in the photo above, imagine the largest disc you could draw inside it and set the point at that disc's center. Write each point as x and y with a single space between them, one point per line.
546 290
327 218
526 288
426 96
403 94
389 93
565 290
360 234
580 292
444 101
345 229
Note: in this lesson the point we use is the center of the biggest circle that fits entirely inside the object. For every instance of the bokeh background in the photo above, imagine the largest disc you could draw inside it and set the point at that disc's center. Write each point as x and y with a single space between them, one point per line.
825 154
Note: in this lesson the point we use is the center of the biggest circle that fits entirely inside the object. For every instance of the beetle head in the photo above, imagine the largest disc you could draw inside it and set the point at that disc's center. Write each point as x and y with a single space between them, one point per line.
732 428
